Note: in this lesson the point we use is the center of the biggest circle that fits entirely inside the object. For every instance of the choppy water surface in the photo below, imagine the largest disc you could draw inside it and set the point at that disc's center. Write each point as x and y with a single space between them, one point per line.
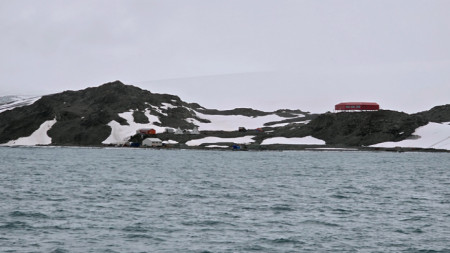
134 200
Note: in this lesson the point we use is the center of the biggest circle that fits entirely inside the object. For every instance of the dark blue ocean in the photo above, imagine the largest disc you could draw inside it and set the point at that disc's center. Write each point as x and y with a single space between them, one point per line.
143 200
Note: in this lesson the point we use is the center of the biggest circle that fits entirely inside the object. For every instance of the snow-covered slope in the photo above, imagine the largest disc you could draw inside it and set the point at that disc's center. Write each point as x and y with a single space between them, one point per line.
11 102
122 133
38 137
241 140
432 135
308 140
233 122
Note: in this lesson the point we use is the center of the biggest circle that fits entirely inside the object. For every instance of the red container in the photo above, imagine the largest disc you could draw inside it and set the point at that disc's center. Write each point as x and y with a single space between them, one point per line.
357 106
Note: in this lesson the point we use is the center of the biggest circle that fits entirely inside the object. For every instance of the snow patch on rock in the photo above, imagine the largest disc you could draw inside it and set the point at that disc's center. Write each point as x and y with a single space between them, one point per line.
121 133
432 135
166 106
243 140
38 137
216 146
232 122
308 140
170 142
11 102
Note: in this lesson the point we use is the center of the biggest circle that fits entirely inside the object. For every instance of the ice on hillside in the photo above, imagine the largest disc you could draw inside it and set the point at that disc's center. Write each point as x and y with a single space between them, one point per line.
232 122
11 102
280 125
166 106
170 142
285 124
432 135
216 146
121 133
158 110
308 140
38 137
240 140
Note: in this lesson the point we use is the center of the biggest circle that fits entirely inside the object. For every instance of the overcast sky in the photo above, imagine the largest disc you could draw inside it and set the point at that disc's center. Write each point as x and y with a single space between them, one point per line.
265 54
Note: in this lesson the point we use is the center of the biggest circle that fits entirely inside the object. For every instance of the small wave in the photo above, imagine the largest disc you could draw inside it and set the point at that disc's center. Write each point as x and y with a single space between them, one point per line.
28 214
55 227
286 241
418 231
339 196
400 231
202 223
409 231
250 248
230 215
59 250
15 225
205 223
110 250
341 211
414 218
56 199
135 228
249 208
282 208
194 196
144 236
427 250
316 222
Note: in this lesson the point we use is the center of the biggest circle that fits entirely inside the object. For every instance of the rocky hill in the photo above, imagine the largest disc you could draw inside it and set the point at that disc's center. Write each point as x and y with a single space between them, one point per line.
436 114
82 117
365 128
112 112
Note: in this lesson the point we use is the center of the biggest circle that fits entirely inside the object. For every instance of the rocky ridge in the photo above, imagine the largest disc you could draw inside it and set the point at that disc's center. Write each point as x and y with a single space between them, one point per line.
82 118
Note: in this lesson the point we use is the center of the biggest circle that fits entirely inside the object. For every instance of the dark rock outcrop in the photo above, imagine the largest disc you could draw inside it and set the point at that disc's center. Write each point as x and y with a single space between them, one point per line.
23 121
82 116
437 114
364 128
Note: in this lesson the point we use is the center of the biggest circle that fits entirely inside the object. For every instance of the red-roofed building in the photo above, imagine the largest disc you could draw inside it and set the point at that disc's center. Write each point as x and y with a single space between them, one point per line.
357 106
148 131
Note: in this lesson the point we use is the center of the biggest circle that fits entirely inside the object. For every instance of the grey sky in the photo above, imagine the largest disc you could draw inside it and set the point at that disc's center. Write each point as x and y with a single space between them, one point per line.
264 54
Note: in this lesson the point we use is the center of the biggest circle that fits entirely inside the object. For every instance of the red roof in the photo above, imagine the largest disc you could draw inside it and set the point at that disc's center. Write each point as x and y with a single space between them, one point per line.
357 106
357 103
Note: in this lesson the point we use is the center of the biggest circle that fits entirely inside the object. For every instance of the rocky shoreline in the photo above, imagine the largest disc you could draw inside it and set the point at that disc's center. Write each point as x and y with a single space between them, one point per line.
262 148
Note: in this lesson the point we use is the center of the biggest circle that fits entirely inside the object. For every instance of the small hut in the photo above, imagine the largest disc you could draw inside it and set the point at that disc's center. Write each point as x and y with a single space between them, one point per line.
170 130
152 142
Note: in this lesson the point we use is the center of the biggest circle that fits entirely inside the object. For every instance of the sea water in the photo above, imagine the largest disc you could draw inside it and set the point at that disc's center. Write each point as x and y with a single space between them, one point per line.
144 200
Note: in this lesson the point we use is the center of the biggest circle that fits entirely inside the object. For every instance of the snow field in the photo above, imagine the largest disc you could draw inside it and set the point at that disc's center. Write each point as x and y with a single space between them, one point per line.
170 142
166 106
17 101
308 140
121 133
198 142
217 146
432 135
38 137
232 122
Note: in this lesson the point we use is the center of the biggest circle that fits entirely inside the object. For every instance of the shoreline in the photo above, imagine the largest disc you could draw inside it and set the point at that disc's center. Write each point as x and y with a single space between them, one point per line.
273 147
